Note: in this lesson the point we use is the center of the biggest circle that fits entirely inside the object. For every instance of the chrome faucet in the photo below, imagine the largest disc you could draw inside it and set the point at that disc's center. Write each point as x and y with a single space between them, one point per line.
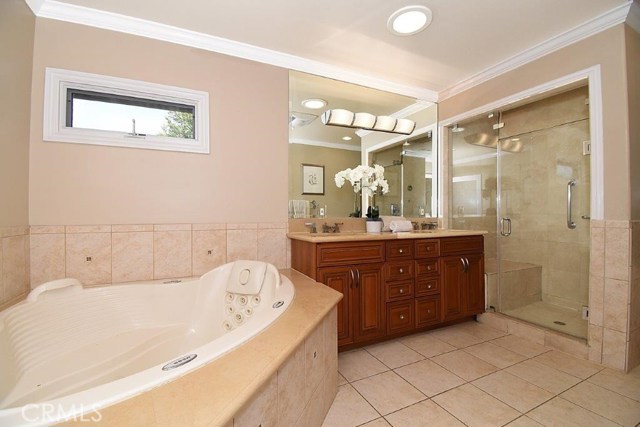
326 228
312 226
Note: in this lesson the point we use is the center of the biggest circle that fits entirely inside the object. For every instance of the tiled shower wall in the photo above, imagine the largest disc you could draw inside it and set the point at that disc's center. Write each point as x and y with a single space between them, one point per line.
14 265
104 254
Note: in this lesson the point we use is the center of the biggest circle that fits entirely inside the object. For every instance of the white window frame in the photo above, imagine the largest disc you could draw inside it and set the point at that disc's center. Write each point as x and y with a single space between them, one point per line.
57 81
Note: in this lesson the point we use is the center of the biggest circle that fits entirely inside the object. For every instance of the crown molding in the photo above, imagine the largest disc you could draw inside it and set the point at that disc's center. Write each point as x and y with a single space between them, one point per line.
324 144
600 23
35 5
633 18
66 12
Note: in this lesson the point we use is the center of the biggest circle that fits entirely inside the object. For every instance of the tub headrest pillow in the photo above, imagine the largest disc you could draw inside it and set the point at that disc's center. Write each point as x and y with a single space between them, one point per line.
247 277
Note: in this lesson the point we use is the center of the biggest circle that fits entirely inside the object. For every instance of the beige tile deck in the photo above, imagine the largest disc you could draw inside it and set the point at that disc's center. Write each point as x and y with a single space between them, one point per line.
437 379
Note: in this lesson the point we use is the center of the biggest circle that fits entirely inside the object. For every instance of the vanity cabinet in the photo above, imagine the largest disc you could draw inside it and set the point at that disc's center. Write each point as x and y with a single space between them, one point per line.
394 287
462 266
356 271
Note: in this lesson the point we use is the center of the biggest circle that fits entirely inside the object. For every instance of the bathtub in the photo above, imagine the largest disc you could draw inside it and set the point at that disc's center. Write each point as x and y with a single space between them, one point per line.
68 351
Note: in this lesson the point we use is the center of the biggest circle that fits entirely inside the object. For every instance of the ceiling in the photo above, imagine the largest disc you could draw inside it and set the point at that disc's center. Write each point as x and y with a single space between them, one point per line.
465 38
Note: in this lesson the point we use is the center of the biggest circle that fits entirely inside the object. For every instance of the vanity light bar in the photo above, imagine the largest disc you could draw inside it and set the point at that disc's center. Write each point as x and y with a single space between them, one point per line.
345 118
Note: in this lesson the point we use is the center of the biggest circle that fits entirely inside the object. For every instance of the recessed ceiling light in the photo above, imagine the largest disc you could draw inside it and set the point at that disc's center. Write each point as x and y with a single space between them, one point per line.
409 20
314 103
346 138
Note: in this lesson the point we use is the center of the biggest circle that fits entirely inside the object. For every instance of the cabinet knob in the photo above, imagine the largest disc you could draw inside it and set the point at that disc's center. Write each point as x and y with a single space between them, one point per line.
402 290
428 248
401 271
429 267
401 250
428 311
429 287
402 317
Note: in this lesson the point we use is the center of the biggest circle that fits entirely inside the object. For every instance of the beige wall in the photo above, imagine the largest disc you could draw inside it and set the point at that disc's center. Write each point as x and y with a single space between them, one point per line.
339 201
632 44
244 179
16 50
607 49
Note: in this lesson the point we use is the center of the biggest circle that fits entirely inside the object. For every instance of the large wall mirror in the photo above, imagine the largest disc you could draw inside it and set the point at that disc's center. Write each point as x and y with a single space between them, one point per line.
317 151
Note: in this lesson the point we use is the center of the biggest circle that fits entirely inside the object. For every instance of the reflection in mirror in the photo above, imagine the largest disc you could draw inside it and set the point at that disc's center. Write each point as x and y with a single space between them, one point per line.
409 165
337 148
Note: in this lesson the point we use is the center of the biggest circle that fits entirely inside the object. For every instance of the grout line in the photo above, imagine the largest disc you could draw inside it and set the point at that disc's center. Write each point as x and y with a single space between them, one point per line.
527 358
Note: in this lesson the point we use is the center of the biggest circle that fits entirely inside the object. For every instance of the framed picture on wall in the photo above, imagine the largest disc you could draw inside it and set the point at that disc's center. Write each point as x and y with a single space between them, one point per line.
312 179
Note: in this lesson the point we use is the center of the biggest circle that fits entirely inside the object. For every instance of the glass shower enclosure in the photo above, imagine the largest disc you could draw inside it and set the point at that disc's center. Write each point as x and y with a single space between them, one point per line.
523 174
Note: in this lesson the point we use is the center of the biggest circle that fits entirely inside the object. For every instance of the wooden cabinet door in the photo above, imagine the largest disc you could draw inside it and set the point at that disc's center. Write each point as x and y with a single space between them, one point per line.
369 302
452 285
474 285
340 279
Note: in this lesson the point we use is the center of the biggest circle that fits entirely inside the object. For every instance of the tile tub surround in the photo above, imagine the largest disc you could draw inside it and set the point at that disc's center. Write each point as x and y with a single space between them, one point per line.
14 265
503 380
286 375
104 254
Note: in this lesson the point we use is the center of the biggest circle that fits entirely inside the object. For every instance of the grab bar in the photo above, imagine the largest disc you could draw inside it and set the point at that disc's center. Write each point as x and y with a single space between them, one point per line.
570 185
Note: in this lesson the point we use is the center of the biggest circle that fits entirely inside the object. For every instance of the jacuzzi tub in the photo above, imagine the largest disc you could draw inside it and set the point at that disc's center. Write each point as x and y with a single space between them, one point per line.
68 351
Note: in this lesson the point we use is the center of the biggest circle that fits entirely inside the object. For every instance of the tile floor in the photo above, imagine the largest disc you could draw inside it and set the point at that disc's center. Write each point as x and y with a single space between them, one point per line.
473 375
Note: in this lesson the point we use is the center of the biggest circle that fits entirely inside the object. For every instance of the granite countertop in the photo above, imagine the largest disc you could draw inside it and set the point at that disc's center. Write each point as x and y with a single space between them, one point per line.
354 236
212 394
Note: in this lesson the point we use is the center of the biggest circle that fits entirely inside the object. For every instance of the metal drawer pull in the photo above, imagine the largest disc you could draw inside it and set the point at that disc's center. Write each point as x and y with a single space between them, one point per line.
400 250
401 271
402 290
402 317
429 287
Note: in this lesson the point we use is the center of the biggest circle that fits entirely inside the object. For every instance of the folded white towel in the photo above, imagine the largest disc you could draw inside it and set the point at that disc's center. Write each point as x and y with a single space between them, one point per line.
401 225
247 277
387 220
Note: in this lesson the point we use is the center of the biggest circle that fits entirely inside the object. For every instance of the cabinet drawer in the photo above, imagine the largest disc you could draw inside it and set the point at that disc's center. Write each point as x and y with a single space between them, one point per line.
331 254
400 290
399 250
399 316
461 245
398 270
427 311
427 267
427 248
427 285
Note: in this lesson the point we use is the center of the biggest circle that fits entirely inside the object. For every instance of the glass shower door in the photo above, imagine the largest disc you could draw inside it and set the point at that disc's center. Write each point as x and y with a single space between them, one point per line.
543 226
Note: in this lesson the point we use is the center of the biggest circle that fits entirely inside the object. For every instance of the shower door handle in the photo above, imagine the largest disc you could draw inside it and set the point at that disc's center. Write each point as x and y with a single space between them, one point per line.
505 231
570 224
